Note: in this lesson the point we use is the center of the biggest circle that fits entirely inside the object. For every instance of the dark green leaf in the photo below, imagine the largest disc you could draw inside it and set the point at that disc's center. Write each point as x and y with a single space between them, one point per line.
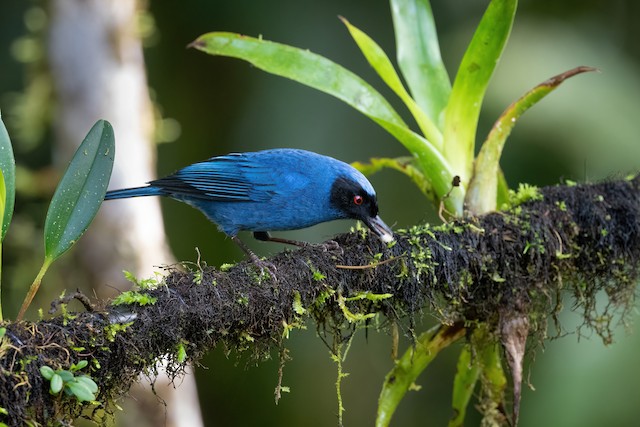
419 57
81 191
3 198
8 168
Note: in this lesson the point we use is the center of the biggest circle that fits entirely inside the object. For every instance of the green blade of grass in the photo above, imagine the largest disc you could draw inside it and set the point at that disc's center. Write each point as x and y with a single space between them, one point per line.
383 66
406 370
469 87
418 54
8 168
482 193
80 191
304 67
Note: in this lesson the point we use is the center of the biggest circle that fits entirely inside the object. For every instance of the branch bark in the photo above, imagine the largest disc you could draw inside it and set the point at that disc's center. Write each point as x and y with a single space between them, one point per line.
517 263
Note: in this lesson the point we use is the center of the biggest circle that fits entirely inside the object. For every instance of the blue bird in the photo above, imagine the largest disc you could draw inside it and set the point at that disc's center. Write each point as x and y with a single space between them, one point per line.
270 190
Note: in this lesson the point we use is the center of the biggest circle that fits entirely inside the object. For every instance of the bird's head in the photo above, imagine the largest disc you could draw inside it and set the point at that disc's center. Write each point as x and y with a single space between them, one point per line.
356 199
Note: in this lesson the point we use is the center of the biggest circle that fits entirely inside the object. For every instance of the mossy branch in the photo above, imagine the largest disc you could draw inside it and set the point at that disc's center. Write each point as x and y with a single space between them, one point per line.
577 239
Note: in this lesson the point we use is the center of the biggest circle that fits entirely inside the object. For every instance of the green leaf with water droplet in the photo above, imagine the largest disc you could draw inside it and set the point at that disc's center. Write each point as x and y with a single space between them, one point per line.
8 169
80 191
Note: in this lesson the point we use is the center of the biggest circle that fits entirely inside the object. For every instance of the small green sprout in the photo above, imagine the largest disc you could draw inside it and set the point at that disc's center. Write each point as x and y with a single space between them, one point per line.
80 386
197 277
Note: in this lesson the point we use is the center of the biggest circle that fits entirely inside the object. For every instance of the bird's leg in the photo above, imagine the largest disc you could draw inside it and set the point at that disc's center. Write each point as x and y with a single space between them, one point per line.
264 236
246 249
262 265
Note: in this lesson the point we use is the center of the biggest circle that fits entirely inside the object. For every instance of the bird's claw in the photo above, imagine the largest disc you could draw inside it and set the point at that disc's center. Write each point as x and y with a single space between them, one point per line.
330 246
267 269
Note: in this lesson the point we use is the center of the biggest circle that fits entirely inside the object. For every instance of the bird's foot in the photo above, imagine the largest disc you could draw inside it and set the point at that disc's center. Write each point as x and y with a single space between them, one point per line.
330 246
267 269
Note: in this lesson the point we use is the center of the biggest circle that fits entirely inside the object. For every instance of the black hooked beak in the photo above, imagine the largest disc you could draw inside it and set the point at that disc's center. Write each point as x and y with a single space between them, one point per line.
380 229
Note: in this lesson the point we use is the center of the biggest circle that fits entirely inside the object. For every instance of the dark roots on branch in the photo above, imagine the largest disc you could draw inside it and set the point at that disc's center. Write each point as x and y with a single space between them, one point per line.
512 264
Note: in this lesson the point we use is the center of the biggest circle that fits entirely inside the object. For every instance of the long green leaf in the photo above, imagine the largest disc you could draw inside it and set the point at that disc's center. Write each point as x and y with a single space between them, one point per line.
418 54
433 165
463 385
405 165
482 193
469 87
8 168
410 365
494 383
80 191
383 66
304 67
3 199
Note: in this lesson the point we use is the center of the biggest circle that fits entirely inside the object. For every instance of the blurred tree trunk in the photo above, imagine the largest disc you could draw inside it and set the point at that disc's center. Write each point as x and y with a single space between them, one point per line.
97 63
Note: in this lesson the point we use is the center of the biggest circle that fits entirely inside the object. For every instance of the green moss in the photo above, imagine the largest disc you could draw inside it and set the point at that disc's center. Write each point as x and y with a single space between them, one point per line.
525 193
562 205
144 284
113 329
298 308
133 297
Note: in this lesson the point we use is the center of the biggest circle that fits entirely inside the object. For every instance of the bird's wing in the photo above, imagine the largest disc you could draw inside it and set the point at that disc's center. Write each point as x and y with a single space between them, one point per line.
235 177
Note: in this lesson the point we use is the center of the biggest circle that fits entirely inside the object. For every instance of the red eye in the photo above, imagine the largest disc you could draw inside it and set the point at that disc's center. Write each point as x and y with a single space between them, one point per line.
357 199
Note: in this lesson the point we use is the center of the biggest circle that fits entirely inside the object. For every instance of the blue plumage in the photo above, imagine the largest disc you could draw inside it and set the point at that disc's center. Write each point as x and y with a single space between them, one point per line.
279 189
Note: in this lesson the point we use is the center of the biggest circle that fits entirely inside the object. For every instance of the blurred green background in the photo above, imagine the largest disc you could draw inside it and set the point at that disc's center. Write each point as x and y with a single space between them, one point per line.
587 130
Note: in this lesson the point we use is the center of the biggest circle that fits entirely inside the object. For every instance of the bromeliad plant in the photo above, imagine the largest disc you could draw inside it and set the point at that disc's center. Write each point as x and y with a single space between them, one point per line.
442 148
75 202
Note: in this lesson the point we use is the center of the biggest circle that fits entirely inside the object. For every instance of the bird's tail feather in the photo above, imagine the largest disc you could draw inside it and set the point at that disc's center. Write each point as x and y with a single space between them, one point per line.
133 192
